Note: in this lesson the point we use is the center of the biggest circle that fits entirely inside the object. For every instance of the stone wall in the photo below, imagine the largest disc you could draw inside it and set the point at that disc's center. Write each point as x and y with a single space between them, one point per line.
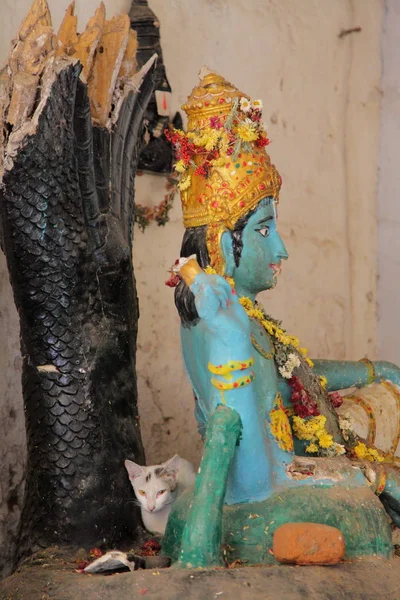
321 103
389 188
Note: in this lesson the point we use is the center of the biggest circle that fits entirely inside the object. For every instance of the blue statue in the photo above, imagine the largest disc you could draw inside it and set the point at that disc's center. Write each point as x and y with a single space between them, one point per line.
274 445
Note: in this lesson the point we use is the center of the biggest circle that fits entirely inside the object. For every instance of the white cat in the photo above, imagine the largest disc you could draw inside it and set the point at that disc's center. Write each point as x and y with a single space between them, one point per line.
157 487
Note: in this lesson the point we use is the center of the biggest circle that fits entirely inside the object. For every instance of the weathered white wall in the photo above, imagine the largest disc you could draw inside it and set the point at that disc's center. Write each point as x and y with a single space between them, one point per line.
321 98
389 189
12 427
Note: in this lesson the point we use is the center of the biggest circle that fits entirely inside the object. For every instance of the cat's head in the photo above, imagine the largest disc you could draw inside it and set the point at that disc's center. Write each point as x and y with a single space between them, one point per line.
155 486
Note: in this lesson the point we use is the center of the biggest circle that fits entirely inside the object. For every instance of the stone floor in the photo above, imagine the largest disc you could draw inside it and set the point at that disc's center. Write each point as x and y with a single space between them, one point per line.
57 579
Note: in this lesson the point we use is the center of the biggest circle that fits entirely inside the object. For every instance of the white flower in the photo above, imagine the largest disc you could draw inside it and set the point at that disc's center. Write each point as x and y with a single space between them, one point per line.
340 449
257 105
345 422
292 362
245 105
346 426
250 123
284 372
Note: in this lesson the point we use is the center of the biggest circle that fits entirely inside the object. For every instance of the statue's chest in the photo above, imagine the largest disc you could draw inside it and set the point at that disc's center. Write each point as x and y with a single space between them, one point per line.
268 379
261 341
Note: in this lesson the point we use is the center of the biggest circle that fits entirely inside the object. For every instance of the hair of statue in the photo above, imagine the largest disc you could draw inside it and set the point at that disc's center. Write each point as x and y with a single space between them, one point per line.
195 242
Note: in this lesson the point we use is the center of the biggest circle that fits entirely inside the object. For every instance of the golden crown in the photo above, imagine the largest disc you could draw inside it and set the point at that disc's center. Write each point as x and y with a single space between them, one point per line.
225 170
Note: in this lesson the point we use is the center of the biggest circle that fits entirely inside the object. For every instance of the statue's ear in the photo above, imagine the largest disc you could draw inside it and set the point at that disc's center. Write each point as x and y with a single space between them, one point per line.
133 469
227 252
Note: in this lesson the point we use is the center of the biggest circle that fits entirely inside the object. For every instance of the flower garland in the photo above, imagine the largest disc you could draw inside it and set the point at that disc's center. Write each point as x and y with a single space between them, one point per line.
358 448
144 215
221 137
303 405
313 431
363 452
286 359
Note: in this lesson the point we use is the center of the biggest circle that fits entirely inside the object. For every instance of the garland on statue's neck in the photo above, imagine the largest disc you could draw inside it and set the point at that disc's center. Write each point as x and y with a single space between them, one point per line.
307 422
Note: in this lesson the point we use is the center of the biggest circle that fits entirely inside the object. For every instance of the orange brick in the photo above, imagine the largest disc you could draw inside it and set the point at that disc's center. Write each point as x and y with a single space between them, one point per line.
308 544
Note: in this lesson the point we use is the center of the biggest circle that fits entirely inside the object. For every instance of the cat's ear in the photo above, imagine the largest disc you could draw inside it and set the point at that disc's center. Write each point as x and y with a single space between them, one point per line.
133 469
171 467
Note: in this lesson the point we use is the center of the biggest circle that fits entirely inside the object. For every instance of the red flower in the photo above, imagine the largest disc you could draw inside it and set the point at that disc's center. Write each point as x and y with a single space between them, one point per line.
262 142
151 547
255 116
301 411
82 566
173 280
336 399
173 136
202 170
303 405
185 150
212 155
215 123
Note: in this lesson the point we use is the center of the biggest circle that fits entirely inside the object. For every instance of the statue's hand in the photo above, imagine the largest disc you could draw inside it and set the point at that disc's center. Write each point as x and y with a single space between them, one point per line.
219 308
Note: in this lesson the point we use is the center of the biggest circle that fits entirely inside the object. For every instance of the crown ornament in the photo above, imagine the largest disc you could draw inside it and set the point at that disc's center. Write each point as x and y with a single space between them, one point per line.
224 168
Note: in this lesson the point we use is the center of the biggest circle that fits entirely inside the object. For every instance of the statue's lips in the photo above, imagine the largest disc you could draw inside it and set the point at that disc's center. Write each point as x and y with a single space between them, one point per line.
276 268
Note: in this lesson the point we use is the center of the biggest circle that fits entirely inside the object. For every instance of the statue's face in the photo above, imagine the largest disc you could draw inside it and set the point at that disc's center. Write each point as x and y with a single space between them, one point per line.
262 253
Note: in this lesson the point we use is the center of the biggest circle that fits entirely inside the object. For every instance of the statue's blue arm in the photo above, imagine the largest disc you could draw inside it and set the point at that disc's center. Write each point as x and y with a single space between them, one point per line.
223 334
342 374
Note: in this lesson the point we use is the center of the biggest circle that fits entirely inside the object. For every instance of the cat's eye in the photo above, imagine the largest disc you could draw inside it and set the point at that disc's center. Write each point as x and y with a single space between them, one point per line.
142 492
161 492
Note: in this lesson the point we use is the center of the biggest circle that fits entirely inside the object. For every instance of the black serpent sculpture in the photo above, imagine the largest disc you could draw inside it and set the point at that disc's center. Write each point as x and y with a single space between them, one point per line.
66 215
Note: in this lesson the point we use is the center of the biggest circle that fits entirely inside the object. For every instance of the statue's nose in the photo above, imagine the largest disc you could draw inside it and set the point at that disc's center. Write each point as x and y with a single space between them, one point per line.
281 250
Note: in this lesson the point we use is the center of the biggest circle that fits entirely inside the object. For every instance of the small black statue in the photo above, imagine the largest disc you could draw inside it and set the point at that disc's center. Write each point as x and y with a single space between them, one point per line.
157 155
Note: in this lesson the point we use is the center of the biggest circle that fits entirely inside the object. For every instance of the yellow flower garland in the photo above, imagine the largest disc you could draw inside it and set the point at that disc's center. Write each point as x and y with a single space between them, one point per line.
364 453
272 328
323 381
313 430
